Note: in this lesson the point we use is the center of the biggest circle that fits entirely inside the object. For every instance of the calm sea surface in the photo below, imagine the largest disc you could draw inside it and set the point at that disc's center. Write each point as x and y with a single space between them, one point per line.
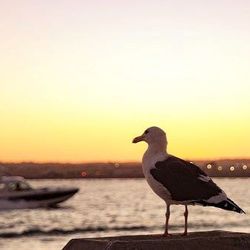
114 207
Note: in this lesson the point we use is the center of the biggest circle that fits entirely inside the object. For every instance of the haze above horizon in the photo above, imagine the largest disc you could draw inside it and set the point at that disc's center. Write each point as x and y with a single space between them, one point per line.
80 79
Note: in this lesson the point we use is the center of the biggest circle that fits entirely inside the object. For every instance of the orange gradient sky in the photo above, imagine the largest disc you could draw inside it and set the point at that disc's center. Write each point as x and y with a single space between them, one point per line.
80 79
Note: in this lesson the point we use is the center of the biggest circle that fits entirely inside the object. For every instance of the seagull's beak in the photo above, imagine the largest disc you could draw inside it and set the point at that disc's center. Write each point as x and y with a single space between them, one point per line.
138 139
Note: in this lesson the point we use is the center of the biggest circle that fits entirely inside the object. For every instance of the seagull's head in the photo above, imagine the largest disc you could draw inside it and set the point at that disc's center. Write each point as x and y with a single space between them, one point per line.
152 135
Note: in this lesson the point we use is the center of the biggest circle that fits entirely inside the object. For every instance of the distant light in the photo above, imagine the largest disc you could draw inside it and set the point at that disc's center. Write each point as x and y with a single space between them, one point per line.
244 167
209 166
220 168
232 168
117 165
83 174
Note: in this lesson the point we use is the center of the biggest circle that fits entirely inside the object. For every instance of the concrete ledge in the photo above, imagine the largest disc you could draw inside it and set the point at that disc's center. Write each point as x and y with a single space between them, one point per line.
211 240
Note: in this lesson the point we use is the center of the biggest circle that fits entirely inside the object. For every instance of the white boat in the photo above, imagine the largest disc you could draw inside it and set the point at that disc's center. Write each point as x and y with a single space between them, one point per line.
16 193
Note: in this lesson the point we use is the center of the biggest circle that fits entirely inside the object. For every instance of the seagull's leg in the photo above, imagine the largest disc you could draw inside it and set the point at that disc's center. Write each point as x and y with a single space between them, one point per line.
167 219
186 220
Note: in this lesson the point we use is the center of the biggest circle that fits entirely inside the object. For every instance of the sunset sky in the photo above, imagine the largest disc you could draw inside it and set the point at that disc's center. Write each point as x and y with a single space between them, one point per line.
80 79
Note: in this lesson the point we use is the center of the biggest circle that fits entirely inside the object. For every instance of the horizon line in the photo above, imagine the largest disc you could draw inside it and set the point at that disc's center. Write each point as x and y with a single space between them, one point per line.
120 162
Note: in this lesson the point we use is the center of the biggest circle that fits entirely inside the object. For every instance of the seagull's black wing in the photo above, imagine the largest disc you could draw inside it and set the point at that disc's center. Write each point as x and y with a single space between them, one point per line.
184 180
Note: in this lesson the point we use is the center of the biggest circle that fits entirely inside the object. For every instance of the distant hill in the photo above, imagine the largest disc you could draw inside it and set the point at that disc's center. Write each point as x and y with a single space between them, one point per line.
30 170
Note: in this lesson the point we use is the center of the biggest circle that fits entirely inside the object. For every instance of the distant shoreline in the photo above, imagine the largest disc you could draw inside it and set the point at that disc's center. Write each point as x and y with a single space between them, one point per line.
30 170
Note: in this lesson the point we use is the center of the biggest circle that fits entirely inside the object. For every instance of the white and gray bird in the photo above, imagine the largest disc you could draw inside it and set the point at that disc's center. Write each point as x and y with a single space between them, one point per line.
177 181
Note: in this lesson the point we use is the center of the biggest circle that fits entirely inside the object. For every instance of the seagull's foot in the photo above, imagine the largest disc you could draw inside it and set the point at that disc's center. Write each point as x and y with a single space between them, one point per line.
184 234
167 235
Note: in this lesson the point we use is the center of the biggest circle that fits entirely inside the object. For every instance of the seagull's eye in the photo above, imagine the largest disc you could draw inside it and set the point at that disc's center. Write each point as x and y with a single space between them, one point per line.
146 131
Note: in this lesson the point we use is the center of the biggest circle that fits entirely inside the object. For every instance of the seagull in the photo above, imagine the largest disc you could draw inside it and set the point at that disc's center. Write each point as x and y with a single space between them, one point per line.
177 181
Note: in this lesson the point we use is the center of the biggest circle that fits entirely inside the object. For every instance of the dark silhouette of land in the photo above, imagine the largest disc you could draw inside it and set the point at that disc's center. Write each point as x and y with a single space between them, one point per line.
30 170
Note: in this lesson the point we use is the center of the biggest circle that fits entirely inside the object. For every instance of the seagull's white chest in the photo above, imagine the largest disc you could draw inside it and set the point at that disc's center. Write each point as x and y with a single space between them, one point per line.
148 163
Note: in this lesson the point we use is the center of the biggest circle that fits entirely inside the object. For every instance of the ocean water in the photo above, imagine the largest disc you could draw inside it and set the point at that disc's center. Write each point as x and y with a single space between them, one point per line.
109 207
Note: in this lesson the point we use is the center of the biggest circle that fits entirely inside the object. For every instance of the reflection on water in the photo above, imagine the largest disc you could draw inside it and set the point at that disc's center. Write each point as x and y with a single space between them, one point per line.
114 207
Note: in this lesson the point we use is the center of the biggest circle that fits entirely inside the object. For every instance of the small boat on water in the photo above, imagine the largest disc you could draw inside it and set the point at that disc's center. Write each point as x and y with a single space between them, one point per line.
16 193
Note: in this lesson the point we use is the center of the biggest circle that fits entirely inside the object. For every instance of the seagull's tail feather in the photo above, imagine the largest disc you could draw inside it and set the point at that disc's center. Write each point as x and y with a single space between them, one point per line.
234 206
227 204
